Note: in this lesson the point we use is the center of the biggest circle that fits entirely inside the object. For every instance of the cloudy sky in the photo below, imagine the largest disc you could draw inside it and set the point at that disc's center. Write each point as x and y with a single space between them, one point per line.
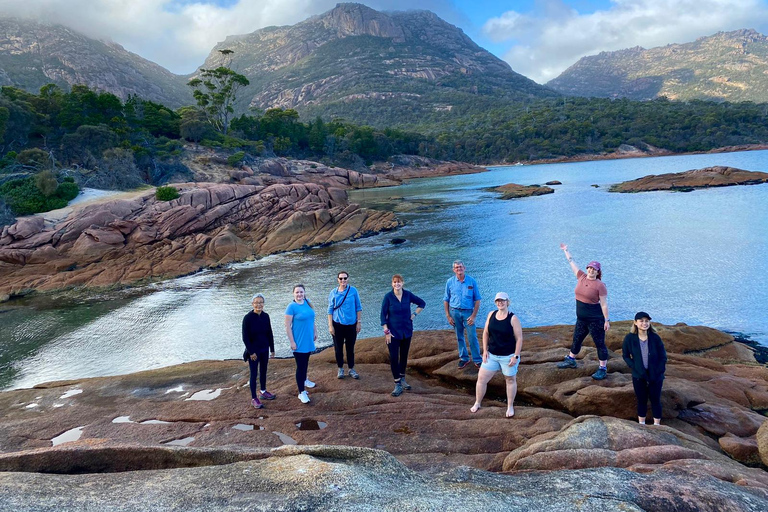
538 38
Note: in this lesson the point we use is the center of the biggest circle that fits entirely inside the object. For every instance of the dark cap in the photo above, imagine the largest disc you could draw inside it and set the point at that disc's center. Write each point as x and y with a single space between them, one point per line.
642 314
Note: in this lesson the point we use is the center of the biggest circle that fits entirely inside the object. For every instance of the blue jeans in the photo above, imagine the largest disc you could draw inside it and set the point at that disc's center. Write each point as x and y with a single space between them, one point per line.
460 317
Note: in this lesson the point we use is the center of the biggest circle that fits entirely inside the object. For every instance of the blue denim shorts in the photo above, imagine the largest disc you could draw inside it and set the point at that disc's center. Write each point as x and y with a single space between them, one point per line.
496 363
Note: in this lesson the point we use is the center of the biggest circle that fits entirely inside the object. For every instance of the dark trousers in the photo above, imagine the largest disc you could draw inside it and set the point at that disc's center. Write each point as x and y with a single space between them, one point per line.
346 335
258 368
302 365
398 356
644 390
595 328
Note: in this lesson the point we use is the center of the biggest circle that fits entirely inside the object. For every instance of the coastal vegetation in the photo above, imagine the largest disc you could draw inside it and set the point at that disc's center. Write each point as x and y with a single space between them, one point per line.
100 141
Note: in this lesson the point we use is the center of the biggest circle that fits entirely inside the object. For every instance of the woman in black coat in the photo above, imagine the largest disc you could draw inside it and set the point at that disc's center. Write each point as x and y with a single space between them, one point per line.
645 355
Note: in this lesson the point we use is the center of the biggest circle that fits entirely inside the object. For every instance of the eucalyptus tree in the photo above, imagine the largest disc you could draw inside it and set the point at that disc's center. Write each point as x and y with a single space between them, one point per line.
216 91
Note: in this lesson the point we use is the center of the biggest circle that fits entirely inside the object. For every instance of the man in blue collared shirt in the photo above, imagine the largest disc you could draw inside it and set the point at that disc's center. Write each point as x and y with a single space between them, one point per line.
462 301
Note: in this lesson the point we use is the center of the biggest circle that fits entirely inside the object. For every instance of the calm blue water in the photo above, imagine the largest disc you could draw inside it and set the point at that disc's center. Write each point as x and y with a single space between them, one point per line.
699 258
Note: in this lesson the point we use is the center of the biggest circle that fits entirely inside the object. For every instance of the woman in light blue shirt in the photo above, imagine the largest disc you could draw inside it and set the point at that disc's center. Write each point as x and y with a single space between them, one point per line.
344 314
302 334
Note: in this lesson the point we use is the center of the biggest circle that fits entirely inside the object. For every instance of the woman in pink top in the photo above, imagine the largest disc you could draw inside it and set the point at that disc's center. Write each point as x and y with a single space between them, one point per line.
591 314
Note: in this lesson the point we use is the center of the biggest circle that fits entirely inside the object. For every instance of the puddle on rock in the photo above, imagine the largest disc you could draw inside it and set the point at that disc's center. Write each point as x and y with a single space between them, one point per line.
285 439
181 442
155 422
32 406
311 425
243 427
71 393
177 389
68 436
123 419
206 394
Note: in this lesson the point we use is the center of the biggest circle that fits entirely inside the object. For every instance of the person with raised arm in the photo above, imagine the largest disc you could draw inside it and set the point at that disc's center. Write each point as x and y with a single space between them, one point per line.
591 314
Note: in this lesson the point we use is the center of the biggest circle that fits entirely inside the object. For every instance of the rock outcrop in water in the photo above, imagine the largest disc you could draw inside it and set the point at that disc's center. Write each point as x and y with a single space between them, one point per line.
718 176
578 436
515 191
126 241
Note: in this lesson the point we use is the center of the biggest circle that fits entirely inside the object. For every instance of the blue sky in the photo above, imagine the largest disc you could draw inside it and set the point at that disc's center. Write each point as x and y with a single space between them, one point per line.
538 38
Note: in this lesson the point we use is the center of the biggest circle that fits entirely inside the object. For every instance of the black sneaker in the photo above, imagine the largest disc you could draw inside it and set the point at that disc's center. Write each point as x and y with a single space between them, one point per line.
463 364
567 363
600 374
405 385
398 389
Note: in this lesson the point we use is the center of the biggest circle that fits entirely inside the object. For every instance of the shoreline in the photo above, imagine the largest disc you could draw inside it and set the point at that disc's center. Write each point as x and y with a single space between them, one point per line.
630 154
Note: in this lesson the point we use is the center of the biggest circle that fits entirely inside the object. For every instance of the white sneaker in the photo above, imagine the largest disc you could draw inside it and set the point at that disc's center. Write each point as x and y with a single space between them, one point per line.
309 384
304 397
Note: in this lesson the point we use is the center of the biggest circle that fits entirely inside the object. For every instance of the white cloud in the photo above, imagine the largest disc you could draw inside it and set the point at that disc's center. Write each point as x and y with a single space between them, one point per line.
545 43
179 34
176 36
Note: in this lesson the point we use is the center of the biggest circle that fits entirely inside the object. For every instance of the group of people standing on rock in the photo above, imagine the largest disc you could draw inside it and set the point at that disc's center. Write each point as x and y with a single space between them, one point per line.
502 339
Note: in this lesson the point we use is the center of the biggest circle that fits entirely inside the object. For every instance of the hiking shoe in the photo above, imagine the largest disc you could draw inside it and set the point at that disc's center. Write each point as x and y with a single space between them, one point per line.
567 363
353 373
266 395
340 375
398 389
600 374
304 397
405 385
256 404
309 384
463 364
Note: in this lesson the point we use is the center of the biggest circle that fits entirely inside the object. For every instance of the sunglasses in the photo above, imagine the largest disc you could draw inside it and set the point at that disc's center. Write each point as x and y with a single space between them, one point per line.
342 278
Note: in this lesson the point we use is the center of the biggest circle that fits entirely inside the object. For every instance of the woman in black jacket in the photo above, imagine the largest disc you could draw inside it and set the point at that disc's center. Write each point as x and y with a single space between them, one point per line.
260 347
645 355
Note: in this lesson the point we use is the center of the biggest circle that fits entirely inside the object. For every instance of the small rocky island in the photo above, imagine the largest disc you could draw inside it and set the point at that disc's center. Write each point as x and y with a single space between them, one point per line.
186 438
515 191
718 176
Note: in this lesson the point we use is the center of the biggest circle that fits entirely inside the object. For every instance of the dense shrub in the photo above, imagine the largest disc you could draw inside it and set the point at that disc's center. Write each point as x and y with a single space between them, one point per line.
25 198
166 193
236 159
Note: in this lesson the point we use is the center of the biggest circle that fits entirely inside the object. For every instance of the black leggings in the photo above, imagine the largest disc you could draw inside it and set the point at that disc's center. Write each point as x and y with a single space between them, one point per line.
398 356
302 365
258 367
346 335
644 390
594 327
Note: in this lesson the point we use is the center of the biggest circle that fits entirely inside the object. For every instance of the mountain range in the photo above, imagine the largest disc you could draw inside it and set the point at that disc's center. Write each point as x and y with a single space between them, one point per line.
33 54
352 60
727 66
384 69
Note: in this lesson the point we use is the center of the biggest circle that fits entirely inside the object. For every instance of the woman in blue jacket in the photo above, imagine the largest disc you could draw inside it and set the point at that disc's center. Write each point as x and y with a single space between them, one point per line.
397 321
645 355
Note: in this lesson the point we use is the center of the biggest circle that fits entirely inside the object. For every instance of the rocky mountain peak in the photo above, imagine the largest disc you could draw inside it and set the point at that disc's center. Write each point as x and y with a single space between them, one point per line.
726 66
33 54
350 19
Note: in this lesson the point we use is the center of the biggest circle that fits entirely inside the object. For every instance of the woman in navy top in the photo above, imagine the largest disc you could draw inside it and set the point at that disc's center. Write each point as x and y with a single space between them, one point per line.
397 321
